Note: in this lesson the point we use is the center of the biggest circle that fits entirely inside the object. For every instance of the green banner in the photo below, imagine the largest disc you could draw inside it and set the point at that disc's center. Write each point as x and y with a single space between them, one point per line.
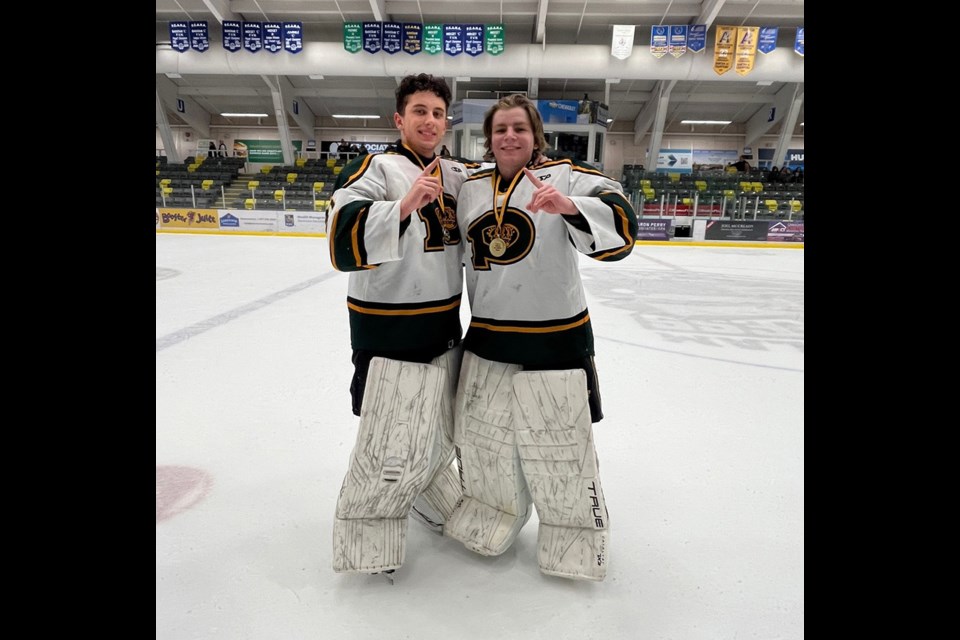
268 151
433 38
352 36
494 39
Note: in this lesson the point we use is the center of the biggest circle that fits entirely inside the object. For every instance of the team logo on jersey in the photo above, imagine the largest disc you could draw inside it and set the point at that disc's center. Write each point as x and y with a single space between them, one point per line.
504 243
448 220
441 224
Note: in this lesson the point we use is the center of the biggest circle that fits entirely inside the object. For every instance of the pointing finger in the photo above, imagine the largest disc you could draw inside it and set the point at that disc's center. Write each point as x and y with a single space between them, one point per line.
534 179
428 170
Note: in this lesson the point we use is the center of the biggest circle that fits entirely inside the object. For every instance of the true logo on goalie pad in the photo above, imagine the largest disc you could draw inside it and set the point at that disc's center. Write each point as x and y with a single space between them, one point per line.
595 502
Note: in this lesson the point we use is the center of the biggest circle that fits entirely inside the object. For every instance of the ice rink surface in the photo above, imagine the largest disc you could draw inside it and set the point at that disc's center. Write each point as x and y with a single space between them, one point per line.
701 366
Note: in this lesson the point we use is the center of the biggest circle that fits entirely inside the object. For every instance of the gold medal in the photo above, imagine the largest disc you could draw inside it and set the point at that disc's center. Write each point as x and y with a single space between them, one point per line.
498 246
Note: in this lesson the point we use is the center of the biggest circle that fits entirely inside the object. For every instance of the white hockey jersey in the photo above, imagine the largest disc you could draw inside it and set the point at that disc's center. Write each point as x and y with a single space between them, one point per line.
522 269
406 278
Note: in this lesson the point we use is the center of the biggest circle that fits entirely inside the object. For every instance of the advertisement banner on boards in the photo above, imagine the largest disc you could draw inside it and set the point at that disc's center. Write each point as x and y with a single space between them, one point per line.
187 218
248 220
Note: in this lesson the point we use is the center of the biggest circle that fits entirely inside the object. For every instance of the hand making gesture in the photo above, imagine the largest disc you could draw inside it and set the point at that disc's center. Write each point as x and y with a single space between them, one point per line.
425 189
547 198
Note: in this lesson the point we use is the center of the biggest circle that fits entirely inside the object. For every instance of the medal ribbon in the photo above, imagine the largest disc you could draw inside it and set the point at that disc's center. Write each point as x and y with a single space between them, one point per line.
439 174
502 211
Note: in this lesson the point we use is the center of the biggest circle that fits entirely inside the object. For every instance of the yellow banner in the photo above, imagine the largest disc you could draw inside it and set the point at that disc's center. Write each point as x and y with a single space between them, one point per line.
723 49
188 218
746 49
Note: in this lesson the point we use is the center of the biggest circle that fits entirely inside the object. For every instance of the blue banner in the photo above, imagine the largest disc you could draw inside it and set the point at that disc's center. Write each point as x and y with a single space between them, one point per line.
473 39
798 43
697 37
293 36
273 37
677 45
453 39
199 36
767 41
658 40
232 38
179 36
252 36
372 36
391 37
412 37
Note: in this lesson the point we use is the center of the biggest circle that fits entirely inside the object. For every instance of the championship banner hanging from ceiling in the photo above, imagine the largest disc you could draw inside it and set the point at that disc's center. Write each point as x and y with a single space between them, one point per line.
412 37
252 36
199 36
723 49
494 39
352 36
768 39
798 43
746 49
232 36
433 38
677 44
293 36
697 38
272 37
622 44
372 36
392 37
658 40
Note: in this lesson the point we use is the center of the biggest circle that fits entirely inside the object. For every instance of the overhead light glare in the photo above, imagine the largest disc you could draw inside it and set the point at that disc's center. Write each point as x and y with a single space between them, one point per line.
355 117
609 120
244 115
801 124
705 121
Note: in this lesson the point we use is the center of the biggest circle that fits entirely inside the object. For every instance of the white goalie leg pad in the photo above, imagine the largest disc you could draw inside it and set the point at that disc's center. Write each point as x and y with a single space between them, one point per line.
559 461
391 461
436 503
496 501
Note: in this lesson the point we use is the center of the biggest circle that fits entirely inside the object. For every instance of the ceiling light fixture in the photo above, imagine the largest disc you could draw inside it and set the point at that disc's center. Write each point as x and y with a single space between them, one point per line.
315 76
356 117
705 121
244 115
